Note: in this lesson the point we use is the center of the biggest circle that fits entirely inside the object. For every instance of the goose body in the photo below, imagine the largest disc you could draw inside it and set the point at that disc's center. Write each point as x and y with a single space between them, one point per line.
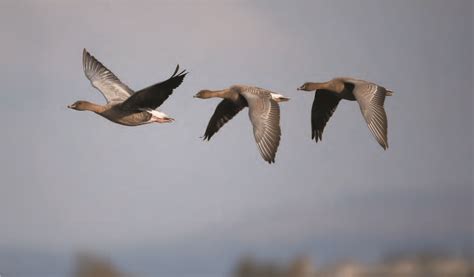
125 106
370 97
117 114
264 114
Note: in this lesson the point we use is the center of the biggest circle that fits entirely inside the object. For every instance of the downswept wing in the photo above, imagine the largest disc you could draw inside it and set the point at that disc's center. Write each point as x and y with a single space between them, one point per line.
104 80
153 96
264 113
371 98
224 112
324 105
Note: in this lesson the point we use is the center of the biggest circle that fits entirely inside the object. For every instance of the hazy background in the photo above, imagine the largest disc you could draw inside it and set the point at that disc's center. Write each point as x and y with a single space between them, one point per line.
157 200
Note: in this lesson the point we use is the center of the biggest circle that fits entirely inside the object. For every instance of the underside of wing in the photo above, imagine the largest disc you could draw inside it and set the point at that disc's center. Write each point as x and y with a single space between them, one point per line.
224 112
324 105
104 80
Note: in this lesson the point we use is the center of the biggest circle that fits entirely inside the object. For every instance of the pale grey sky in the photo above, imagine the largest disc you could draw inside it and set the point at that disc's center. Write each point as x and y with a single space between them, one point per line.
154 196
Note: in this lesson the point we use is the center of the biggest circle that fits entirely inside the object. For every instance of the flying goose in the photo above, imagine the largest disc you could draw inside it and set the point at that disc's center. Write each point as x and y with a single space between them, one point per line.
370 97
264 113
124 106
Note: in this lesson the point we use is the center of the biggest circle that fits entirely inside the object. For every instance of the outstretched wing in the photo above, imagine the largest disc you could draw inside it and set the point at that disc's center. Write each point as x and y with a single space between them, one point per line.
324 105
264 114
153 96
104 80
224 112
371 98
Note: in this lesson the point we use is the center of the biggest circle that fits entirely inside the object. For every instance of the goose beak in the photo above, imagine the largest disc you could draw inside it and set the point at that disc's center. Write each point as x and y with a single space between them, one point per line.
283 99
69 106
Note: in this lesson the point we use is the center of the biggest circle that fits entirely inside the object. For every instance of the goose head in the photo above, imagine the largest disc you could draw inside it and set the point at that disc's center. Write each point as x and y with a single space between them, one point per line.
306 87
204 94
80 105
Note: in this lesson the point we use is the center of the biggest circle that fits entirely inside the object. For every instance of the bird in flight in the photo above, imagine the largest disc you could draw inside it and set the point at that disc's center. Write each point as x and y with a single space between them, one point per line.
371 98
264 113
125 106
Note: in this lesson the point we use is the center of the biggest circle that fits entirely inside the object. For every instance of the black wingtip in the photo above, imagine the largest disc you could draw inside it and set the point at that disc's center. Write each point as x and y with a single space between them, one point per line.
176 74
205 137
175 71
317 136
180 74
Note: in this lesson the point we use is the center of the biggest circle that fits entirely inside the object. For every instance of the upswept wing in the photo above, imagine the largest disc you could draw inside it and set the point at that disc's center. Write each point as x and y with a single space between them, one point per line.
104 80
153 96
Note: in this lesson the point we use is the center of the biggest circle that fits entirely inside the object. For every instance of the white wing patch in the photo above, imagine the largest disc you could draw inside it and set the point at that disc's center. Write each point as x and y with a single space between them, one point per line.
156 113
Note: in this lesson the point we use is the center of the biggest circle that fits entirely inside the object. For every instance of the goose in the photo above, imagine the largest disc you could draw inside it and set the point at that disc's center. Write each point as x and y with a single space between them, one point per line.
264 113
370 96
125 106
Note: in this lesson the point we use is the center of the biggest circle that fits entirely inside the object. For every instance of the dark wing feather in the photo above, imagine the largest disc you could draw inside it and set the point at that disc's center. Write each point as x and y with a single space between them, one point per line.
224 112
324 105
153 96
